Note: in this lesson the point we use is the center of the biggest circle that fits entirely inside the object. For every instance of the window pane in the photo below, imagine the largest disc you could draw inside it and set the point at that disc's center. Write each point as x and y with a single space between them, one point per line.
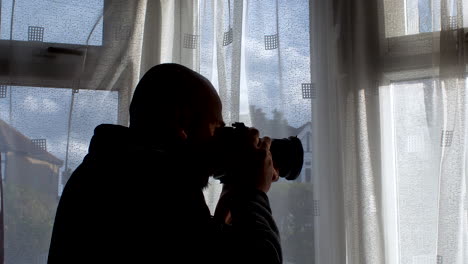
57 21
275 94
36 122
279 89
417 141
409 17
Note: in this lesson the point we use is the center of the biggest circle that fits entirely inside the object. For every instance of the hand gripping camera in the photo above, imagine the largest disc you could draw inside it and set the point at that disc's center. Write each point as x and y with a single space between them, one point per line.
230 142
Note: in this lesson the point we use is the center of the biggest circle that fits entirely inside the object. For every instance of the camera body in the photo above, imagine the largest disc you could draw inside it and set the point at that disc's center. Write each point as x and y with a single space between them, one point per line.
233 142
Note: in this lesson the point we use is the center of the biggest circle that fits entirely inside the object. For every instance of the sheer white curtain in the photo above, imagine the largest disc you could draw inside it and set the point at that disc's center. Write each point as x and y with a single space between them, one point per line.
257 54
390 114
374 89
382 84
66 66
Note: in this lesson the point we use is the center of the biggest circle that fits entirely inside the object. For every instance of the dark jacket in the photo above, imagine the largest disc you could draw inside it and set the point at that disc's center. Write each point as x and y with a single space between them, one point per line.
130 203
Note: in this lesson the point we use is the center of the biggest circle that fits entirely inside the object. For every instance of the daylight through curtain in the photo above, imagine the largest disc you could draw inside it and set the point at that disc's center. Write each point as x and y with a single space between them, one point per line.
375 90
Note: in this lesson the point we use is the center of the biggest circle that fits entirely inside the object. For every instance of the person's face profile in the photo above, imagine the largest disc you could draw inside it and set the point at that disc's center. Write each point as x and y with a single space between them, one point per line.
214 125
210 119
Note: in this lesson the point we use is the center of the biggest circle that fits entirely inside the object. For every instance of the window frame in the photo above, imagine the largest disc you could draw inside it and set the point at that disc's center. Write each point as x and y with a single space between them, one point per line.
403 58
58 65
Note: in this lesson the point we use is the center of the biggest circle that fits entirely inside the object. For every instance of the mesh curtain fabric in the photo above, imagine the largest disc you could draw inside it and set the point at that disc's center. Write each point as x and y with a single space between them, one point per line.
374 89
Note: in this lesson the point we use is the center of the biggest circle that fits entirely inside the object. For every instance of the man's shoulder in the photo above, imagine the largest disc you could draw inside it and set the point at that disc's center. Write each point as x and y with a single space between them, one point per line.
107 136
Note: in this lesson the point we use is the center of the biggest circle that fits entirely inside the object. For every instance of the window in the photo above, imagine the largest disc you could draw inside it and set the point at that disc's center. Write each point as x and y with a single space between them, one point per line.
45 114
53 21
409 17
275 93
411 116
46 95
50 39
41 114
411 131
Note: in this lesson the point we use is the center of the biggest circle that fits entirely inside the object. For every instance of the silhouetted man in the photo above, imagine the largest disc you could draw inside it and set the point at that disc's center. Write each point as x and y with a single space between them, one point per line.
137 197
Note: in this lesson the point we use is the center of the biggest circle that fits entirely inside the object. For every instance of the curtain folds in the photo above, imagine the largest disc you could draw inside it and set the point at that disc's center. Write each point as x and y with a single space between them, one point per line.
374 89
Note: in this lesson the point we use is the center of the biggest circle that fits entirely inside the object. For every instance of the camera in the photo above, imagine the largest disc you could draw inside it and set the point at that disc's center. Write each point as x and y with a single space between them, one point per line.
232 142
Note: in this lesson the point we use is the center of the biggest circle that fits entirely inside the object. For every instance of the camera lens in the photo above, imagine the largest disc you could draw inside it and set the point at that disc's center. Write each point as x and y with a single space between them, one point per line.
288 156
287 153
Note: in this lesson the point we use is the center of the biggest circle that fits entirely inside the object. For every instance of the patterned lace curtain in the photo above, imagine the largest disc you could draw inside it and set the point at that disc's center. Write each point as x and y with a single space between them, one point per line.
257 54
392 99
374 89
376 92
66 66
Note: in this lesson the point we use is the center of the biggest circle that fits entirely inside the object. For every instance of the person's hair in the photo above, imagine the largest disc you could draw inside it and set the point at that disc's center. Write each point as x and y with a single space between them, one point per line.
167 97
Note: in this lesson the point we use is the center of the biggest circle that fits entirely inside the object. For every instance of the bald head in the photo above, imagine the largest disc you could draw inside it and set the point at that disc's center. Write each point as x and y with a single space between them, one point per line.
170 98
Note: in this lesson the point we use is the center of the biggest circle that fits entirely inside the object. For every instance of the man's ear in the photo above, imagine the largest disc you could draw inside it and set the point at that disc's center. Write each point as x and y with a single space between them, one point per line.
185 120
